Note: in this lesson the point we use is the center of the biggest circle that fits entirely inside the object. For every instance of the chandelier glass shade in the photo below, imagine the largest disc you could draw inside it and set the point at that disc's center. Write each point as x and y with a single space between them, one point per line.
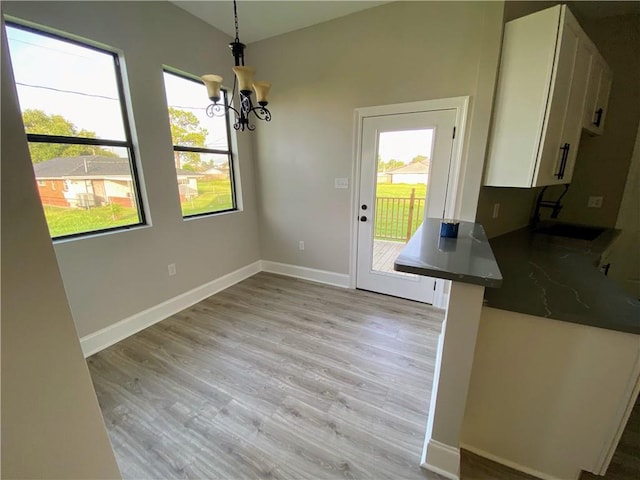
244 84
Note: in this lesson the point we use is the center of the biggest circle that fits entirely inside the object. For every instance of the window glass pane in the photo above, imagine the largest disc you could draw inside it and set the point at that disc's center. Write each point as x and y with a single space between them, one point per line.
190 125
83 191
65 88
207 190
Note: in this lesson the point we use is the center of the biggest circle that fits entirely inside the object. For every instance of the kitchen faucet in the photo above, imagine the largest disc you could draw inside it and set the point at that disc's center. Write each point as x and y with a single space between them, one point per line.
555 206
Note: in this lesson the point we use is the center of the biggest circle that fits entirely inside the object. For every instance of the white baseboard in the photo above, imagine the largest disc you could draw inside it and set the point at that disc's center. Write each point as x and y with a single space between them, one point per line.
510 464
94 342
441 459
315 275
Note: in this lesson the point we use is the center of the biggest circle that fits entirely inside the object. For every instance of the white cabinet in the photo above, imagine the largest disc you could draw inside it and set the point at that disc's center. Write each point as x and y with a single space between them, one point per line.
540 98
572 128
549 395
598 89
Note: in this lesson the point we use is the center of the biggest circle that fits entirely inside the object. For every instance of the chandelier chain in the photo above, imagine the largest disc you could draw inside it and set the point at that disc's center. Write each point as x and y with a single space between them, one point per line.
235 16
246 106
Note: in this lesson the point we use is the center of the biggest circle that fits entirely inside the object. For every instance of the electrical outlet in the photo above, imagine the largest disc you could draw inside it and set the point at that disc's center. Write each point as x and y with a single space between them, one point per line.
172 269
301 245
595 202
496 210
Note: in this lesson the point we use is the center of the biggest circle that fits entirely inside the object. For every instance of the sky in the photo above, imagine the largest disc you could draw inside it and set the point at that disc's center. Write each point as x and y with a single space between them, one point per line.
80 84
405 145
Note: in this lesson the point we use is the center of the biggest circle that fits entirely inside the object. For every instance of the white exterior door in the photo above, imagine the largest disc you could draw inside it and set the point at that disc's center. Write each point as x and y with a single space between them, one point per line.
404 171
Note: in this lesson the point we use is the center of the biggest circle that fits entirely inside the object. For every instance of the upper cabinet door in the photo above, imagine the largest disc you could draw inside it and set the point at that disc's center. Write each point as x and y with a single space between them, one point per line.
575 108
598 89
540 100
527 72
564 123
553 154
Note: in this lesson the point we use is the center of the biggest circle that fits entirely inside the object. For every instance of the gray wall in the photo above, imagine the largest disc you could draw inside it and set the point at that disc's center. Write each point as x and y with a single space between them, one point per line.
51 422
603 162
625 257
113 276
400 52
515 209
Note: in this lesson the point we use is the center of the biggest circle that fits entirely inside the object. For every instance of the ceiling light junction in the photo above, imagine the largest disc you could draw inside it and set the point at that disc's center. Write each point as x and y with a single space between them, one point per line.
244 81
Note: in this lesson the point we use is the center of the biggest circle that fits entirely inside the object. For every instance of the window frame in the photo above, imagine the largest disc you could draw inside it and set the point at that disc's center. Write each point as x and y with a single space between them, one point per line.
228 152
127 143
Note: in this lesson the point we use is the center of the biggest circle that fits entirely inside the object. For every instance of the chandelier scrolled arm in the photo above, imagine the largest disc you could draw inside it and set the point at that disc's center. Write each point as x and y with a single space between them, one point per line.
243 83
242 116
262 113
219 110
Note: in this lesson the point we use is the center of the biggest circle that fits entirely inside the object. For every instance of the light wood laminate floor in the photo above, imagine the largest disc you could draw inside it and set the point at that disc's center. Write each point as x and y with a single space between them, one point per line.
625 464
277 378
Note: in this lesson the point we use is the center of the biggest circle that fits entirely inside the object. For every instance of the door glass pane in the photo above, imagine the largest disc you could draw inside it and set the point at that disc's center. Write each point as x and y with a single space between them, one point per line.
401 190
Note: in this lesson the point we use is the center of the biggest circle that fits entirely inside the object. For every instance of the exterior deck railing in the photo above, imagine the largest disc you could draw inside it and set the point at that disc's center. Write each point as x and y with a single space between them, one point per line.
397 219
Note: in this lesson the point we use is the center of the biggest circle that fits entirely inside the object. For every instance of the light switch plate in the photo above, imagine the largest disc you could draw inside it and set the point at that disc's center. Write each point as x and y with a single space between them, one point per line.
342 182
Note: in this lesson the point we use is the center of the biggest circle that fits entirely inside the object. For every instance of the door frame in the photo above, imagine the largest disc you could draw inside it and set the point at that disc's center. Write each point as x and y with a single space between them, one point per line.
461 105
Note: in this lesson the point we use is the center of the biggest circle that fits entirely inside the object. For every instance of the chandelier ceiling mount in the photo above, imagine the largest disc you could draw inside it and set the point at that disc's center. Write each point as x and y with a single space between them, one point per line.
243 82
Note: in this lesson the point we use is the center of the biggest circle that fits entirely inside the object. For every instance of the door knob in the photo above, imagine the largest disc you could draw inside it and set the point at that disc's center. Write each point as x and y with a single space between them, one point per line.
363 218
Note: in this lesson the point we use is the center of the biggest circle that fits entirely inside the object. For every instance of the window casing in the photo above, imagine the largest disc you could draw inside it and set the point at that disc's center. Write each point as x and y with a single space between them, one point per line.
71 97
202 149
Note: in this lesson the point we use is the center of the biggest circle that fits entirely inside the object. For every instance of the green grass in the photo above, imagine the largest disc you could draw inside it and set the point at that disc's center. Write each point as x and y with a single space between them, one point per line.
400 190
394 222
67 221
213 196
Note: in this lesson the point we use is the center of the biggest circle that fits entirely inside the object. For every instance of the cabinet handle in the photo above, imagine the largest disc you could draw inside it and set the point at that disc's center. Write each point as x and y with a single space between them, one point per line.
598 119
563 161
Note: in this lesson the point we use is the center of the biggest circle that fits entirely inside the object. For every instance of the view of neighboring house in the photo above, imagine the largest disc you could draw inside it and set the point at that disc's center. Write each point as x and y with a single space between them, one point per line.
217 173
412 173
255 367
94 180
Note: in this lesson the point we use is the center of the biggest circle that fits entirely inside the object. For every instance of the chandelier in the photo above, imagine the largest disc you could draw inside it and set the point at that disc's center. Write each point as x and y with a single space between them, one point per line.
243 81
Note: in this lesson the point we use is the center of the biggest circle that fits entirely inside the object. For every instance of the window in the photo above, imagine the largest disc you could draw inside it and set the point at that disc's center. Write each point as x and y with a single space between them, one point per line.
77 127
201 149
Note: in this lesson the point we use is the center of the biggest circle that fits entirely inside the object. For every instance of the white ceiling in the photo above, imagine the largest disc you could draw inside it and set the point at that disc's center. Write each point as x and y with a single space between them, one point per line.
260 19
263 19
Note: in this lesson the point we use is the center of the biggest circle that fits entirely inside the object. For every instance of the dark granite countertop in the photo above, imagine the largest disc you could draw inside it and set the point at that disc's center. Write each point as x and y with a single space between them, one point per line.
466 259
558 278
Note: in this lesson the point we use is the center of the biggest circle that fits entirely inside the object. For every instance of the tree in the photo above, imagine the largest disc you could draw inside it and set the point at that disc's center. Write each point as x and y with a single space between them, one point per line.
419 158
186 131
37 121
390 165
